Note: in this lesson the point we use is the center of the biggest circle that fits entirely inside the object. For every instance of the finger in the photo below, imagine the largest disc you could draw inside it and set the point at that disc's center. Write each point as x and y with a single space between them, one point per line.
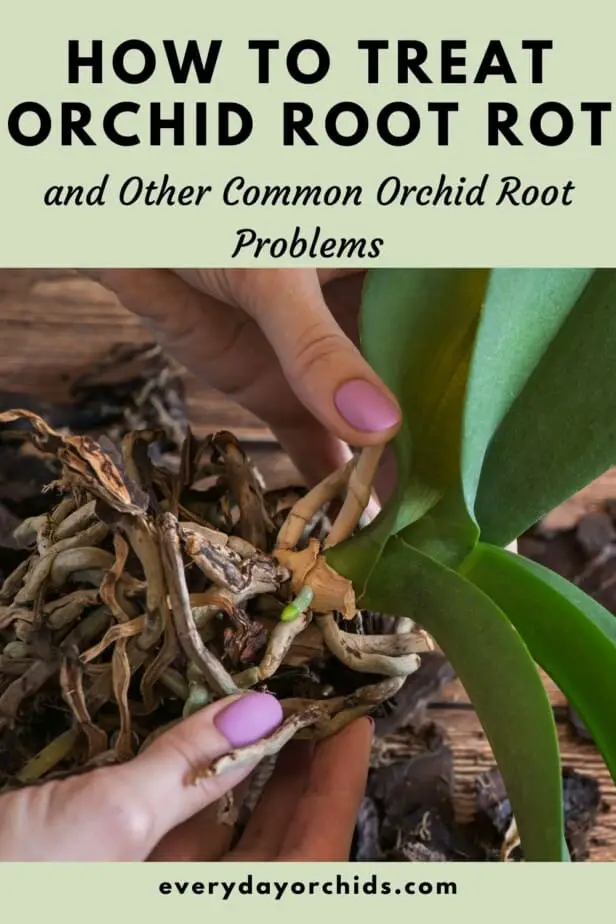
323 824
267 828
324 368
314 451
329 275
198 329
201 838
122 812
169 765
190 324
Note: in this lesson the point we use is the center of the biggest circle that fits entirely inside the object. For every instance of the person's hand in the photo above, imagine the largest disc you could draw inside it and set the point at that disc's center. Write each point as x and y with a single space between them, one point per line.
280 342
149 808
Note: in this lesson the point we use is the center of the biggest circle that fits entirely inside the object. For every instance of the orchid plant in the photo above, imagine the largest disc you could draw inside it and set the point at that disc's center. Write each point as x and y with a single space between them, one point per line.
507 386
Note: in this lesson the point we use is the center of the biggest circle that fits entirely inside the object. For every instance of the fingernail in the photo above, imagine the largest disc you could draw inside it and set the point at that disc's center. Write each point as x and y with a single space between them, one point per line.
251 717
365 407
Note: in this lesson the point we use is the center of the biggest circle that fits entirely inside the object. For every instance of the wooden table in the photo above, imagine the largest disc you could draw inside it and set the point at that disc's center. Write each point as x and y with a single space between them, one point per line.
54 325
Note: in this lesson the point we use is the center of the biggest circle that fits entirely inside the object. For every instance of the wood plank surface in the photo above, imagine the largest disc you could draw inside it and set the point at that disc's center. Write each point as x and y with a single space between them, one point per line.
473 756
54 325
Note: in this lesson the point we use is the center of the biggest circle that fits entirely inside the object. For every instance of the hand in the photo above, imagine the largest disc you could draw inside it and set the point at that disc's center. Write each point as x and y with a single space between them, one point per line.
149 809
282 343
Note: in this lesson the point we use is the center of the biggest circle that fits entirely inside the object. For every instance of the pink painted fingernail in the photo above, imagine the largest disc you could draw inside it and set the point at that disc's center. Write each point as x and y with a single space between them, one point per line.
365 407
251 717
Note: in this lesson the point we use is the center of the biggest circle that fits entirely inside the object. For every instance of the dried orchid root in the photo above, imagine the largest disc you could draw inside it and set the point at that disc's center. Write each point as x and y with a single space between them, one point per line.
160 665
280 641
511 841
306 507
205 616
317 719
243 576
144 543
358 704
227 812
359 492
43 530
402 643
196 651
49 757
308 567
253 753
173 681
113 634
62 613
254 521
368 697
156 580
355 479
13 581
121 676
71 684
43 670
355 651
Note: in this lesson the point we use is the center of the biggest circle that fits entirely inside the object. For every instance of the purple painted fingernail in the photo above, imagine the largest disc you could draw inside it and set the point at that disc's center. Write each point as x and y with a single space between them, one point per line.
365 407
251 717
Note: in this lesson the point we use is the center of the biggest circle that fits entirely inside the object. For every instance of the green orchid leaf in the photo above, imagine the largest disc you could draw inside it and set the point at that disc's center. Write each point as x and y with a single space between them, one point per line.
570 395
356 558
417 328
417 332
498 674
568 633
446 533
523 311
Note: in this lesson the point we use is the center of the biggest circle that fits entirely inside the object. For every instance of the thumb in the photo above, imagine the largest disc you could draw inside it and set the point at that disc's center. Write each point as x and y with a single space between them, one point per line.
323 367
122 812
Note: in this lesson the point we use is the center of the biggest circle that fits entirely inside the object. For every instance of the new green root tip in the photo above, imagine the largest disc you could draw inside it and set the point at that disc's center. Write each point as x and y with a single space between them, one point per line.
198 698
299 605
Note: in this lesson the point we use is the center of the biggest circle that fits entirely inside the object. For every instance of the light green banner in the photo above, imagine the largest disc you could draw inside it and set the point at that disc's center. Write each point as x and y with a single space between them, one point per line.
72 893
470 134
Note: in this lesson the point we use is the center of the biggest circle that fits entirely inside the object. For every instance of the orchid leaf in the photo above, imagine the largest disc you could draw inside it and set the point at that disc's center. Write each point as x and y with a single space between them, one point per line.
523 311
498 674
446 533
417 332
570 396
567 632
